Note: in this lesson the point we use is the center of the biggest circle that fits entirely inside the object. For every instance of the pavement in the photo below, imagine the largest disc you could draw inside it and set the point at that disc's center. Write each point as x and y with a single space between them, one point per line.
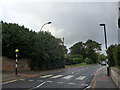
101 80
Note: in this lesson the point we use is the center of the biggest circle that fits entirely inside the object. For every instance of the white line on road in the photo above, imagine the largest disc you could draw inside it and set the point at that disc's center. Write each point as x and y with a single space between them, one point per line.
80 78
22 79
9 81
49 81
30 80
37 86
84 84
60 82
40 84
57 76
71 83
72 72
68 77
40 81
45 76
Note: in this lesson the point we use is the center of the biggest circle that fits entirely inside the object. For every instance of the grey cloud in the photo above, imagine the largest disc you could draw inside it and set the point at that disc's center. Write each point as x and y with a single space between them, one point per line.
79 21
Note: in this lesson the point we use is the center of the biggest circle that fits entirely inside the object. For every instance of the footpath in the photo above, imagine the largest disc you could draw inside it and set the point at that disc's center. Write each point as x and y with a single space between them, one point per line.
101 80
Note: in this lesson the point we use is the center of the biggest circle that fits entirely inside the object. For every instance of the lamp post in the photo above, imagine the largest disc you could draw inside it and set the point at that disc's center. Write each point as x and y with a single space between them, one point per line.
16 50
63 41
108 72
45 24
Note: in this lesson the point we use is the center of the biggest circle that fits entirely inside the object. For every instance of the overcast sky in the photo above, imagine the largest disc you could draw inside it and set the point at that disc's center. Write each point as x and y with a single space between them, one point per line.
75 21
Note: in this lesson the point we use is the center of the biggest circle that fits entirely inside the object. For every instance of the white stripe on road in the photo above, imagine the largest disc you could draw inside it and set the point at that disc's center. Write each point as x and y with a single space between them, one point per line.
9 82
30 80
37 86
60 82
84 84
22 79
40 81
40 84
73 72
49 81
80 78
71 83
68 77
57 76
45 76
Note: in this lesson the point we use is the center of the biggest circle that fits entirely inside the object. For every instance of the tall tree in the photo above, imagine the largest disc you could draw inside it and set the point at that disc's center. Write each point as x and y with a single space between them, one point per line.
44 50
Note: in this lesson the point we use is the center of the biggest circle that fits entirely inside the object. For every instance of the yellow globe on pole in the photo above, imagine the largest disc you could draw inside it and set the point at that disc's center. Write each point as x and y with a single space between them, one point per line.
16 50
106 50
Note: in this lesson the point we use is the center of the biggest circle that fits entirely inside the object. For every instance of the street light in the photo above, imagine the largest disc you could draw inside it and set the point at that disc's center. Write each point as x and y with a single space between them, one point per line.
106 46
45 24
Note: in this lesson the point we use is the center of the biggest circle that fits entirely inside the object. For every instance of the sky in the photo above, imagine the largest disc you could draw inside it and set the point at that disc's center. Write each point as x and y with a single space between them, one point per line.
75 21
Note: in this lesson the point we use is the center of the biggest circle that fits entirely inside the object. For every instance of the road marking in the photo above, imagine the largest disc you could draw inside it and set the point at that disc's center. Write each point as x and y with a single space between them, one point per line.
71 83
40 81
60 82
30 80
84 84
37 86
68 77
49 81
22 79
80 78
45 76
57 76
72 72
10 81
40 84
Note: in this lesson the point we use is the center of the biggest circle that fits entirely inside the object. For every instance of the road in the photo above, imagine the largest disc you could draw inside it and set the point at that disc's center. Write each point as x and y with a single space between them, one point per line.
77 77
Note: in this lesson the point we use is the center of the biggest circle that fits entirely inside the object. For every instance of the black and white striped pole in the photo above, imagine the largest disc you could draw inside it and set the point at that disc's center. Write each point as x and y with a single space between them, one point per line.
16 50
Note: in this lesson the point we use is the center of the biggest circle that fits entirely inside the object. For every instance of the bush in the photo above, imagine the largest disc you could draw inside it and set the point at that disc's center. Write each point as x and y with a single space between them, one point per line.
117 55
73 60
114 55
88 60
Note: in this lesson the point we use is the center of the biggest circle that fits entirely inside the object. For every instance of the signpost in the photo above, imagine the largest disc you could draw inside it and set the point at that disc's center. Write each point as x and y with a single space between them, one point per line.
16 50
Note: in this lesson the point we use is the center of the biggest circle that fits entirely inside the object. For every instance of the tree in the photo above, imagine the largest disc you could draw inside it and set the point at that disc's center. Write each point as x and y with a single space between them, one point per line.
78 49
91 48
87 49
44 50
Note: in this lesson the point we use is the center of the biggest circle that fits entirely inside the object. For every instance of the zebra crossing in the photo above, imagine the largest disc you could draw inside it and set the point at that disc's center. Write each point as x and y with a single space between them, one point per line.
67 77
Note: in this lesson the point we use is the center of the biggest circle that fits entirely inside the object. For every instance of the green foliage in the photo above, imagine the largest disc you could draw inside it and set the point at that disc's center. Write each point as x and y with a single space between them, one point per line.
87 49
101 57
114 55
73 60
44 50
88 60
117 55
110 55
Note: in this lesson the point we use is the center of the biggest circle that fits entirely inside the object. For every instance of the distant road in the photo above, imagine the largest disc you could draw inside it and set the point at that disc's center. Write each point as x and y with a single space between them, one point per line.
77 77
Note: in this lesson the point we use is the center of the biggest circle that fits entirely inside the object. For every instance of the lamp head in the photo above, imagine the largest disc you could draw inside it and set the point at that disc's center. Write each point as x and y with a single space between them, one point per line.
49 22
102 24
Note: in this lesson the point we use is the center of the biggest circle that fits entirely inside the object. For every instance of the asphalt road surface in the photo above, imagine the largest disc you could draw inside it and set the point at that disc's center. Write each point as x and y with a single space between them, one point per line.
77 77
